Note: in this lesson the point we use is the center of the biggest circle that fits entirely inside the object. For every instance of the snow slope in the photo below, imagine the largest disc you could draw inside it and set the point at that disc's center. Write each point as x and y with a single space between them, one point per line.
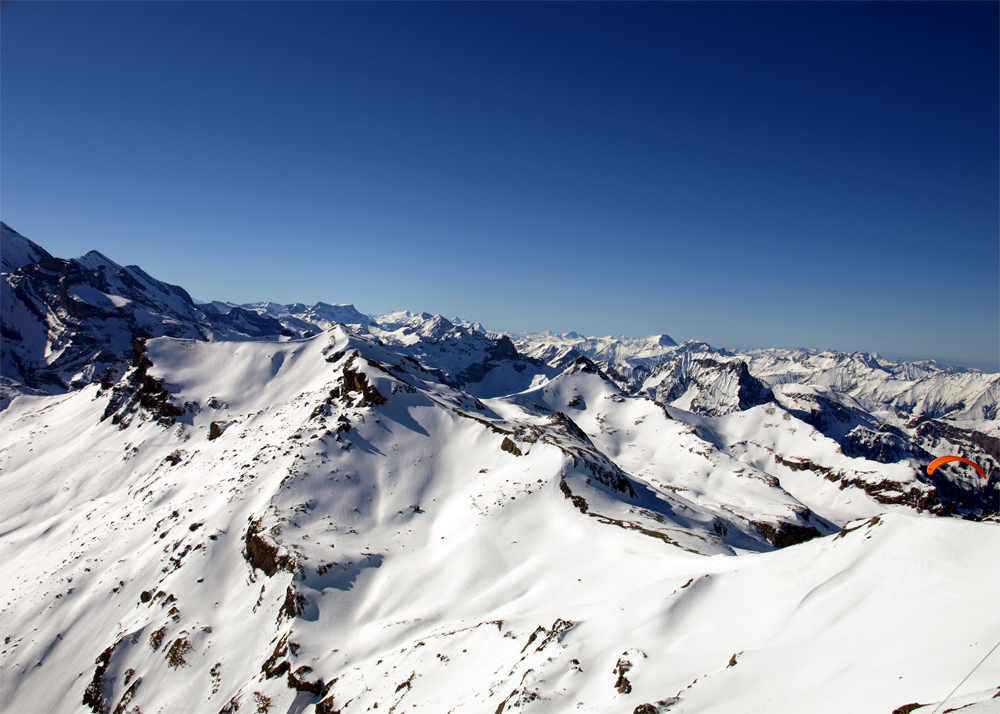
291 508
321 525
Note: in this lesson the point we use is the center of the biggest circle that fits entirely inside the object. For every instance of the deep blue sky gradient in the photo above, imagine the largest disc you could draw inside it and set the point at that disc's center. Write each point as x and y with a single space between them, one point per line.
749 174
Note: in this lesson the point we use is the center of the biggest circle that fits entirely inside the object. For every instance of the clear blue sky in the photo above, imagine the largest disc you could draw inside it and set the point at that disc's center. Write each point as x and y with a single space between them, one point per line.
775 174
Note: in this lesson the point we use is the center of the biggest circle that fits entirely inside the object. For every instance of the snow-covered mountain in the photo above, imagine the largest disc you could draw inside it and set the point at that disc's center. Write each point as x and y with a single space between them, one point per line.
66 322
460 353
321 525
18 250
406 512
925 388
621 351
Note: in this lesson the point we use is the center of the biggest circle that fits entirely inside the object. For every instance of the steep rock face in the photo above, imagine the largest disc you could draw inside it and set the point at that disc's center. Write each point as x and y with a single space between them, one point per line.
886 446
960 489
65 322
139 392
460 354
706 383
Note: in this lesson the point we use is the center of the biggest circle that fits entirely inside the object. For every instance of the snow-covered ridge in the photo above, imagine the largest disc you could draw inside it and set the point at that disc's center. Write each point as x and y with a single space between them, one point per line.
58 338
18 250
323 525
641 351
304 508
919 388
924 388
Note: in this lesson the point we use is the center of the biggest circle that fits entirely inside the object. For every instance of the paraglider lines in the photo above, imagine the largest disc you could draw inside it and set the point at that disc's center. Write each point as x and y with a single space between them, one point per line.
963 681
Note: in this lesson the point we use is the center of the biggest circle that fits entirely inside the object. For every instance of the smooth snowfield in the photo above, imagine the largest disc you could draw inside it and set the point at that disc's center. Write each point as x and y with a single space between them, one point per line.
435 553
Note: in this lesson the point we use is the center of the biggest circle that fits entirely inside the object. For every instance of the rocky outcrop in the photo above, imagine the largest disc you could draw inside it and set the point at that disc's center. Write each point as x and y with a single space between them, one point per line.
97 693
498 351
263 554
354 384
217 428
509 446
707 383
884 447
783 534
140 392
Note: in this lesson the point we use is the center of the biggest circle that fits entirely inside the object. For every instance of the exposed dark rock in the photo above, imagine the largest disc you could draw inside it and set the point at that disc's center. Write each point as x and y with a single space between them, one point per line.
803 465
262 554
610 475
293 605
357 383
140 391
178 648
509 446
96 694
156 638
579 501
784 534
326 706
933 431
545 636
55 341
819 411
216 429
127 697
895 493
503 349
563 423
881 446
722 384
297 681
276 665
621 669
115 371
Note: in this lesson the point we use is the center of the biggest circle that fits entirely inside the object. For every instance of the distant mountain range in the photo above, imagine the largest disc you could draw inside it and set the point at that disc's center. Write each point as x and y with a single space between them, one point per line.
263 507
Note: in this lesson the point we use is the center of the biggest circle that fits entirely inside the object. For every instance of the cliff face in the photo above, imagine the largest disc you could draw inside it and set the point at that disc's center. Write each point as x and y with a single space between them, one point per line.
66 322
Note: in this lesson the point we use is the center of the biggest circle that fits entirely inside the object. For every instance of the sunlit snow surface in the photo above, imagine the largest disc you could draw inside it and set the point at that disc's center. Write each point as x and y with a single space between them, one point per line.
422 564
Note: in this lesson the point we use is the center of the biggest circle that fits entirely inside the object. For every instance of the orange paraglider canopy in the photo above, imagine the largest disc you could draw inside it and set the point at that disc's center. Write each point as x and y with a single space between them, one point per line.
942 460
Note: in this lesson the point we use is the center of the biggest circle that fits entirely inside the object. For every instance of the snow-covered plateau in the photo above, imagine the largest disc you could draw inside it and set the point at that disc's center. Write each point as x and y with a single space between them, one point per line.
208 507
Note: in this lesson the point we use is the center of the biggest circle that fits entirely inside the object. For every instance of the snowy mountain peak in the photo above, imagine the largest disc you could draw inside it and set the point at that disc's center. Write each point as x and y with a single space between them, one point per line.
304 509
94 260
16 250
